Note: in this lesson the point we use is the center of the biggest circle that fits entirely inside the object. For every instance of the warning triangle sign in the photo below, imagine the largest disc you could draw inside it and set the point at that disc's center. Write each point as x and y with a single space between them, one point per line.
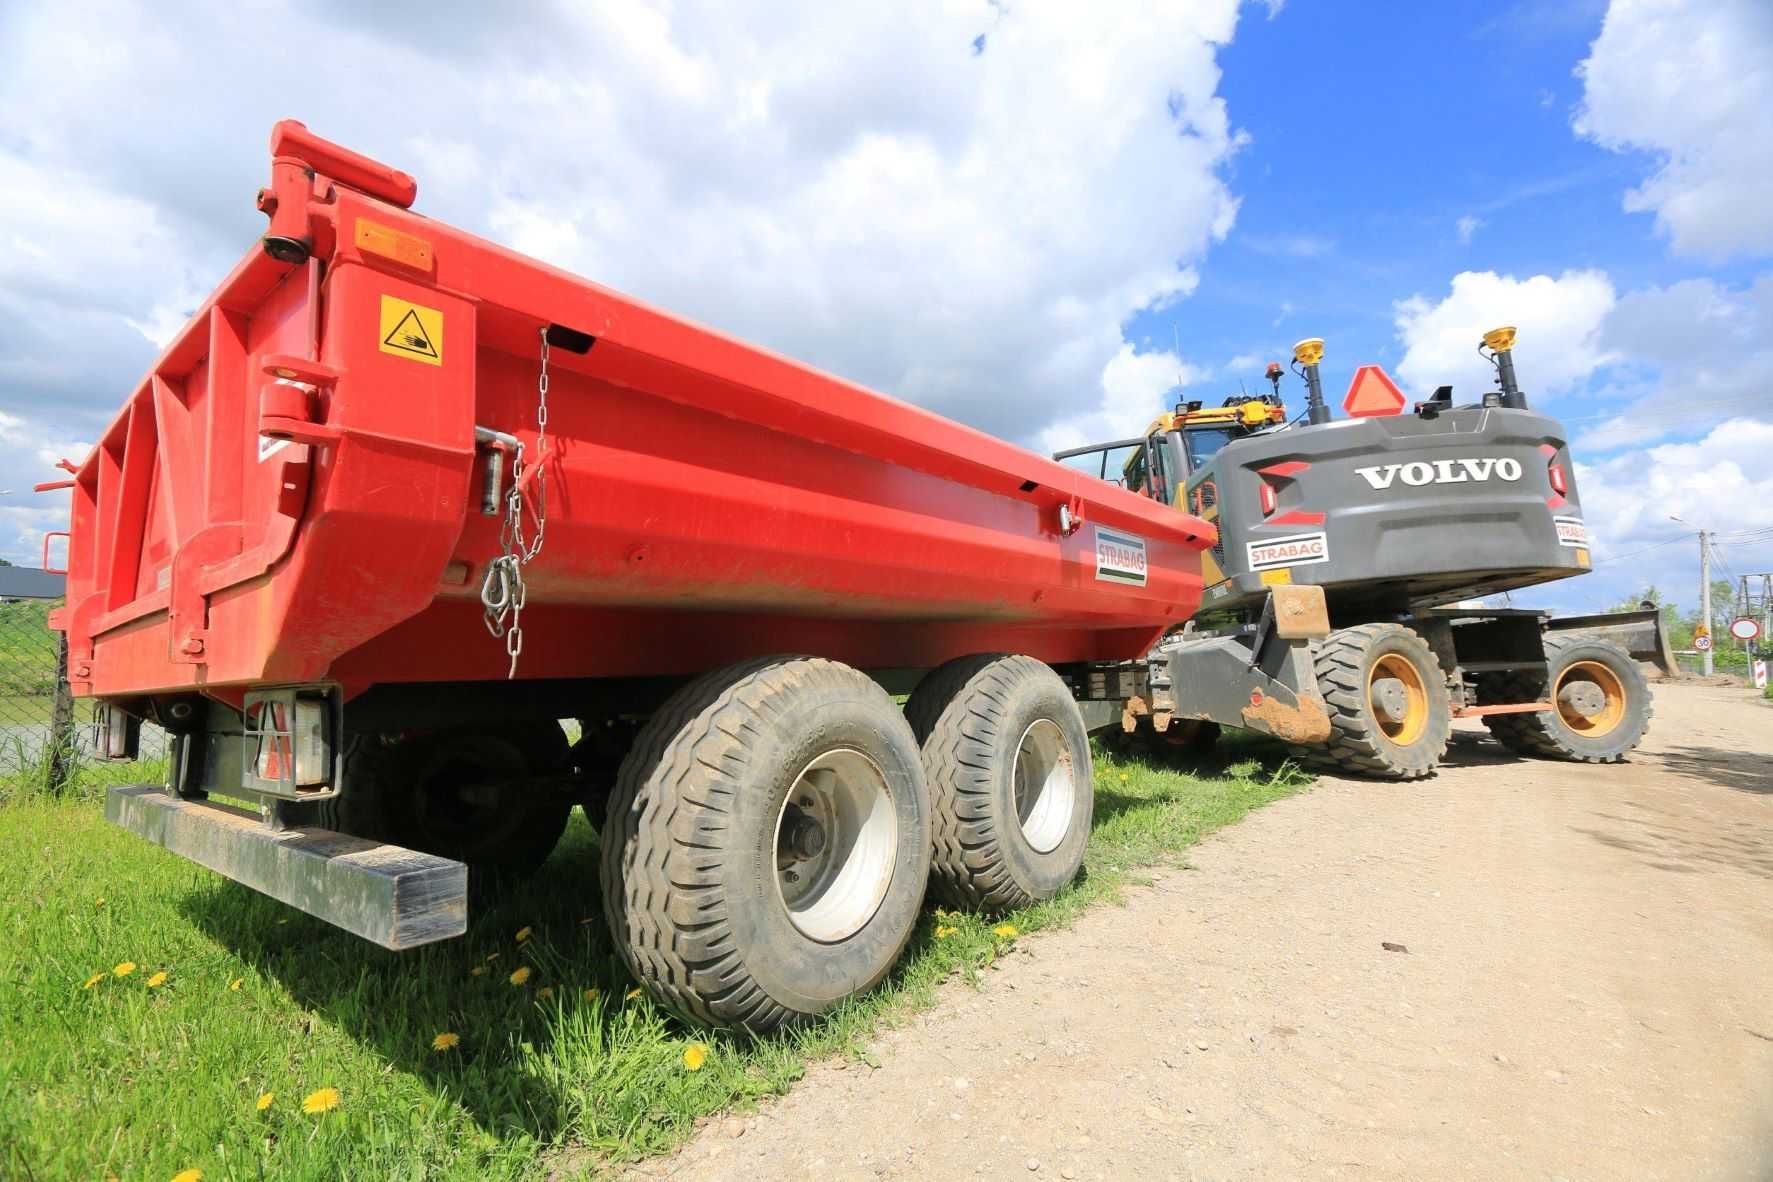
409 336
1373 394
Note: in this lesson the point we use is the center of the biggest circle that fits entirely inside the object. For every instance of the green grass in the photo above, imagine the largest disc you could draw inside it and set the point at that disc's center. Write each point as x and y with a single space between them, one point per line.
142 1082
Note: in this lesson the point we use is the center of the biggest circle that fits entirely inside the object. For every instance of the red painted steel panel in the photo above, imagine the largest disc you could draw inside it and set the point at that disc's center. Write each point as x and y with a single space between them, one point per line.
707 500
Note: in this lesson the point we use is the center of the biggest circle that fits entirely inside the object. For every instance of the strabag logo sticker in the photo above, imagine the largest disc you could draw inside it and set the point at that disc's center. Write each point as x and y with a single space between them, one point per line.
1571 531
1120 558
1297 550
1421 472
411 330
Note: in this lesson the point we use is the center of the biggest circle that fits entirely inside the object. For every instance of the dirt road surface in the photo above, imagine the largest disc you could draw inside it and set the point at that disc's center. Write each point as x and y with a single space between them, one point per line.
1587 992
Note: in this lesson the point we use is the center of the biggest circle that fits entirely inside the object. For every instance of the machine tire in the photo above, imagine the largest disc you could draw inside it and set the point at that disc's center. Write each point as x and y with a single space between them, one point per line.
1359 740
692 870
391 793
1549 734
983 722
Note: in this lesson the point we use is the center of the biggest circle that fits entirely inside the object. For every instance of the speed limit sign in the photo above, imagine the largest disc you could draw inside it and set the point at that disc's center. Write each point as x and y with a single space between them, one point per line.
1702 643
1745 628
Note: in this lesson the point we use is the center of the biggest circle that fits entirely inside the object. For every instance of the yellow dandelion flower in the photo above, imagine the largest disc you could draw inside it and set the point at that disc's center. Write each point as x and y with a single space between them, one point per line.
93 980
478 970
631 994
694 1056
264 1101
545 993
520 976
447 1041
1007 931
235 984
523 934
191 1175
943 931
99 902
157 980
124 969
1123 777
323 1100
590 995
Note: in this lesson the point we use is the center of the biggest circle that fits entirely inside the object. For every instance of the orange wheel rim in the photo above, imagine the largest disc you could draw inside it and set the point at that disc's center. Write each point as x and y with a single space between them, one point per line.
1415 720
1612 689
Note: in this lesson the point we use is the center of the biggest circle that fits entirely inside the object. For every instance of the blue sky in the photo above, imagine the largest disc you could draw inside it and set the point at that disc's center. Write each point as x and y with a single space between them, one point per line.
1037 236
1394 146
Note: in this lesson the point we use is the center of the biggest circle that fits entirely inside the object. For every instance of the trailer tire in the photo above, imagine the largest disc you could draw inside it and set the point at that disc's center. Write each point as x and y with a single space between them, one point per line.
1563 733
395 785
1363 738
1008 763
716 900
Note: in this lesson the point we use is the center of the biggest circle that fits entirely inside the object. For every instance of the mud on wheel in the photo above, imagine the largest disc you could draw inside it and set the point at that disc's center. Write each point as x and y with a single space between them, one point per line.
767 843
1008 763
1600 699
1387 699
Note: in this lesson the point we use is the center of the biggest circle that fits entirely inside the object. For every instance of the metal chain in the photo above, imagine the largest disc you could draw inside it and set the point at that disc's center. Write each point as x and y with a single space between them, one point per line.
503 591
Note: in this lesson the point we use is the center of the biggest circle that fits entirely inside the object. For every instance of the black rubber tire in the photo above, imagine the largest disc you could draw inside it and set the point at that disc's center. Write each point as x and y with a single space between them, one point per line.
970 717
385 799
1545 734
1357 742
688 865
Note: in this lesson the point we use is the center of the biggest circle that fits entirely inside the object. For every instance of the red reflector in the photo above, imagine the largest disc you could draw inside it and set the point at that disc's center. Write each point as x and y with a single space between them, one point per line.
1268 498
1372 394
1558 484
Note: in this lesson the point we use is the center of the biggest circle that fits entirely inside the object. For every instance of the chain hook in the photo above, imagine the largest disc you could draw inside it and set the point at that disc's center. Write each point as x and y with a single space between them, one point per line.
503 591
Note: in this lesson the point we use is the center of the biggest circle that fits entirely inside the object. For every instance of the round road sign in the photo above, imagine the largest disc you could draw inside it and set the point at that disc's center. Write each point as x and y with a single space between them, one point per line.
1702 643
1744 628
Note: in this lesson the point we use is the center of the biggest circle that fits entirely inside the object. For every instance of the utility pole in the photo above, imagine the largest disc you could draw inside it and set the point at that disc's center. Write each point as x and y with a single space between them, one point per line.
1705 600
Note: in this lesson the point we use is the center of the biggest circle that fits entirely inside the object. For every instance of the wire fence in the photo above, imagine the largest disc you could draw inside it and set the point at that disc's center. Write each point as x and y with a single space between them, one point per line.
48 737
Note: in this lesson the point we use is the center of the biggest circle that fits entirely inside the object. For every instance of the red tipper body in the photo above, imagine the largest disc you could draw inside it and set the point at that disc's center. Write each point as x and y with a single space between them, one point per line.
293 494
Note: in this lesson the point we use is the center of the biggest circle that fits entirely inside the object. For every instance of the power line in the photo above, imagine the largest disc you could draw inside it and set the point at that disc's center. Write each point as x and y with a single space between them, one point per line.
1635 553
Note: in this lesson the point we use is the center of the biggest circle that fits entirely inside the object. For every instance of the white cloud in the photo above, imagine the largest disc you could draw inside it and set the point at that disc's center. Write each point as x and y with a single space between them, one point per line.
28 454
1134 387
1692 354
856 188
1466 227
1559 321
1690 81
1721 480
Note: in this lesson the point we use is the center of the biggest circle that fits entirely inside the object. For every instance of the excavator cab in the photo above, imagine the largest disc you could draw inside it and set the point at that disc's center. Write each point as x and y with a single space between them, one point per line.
1178 444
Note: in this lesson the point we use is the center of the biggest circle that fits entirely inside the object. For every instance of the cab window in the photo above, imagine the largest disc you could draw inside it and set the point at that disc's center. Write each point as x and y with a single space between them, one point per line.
1155 457
1203 443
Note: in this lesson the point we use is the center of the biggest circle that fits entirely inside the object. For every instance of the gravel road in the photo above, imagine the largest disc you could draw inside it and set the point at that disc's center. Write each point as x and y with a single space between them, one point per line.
1583 989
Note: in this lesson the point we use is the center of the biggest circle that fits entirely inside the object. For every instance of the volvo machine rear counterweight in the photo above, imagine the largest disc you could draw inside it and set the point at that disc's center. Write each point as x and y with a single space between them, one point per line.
1339 611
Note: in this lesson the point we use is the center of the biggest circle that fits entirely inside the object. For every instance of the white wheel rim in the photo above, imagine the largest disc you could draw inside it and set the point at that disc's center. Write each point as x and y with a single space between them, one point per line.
832 893
1046 785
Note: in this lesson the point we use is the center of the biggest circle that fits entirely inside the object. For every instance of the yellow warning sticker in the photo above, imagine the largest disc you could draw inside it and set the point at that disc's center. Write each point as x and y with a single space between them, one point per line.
1278 577
411 330
1582 557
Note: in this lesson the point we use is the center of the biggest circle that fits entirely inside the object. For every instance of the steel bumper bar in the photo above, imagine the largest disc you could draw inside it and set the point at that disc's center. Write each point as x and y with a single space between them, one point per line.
388 895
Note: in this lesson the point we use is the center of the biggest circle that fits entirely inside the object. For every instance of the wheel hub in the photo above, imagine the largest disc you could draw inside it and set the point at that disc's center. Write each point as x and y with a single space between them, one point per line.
1582 697
1391 701
1045 785
1591 698
837 839
1397 695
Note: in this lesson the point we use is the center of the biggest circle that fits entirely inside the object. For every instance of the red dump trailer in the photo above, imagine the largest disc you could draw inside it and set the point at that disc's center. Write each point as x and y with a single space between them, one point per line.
398 500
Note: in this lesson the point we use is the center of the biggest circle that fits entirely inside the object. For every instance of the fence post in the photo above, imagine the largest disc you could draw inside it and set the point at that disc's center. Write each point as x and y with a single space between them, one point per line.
61 726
